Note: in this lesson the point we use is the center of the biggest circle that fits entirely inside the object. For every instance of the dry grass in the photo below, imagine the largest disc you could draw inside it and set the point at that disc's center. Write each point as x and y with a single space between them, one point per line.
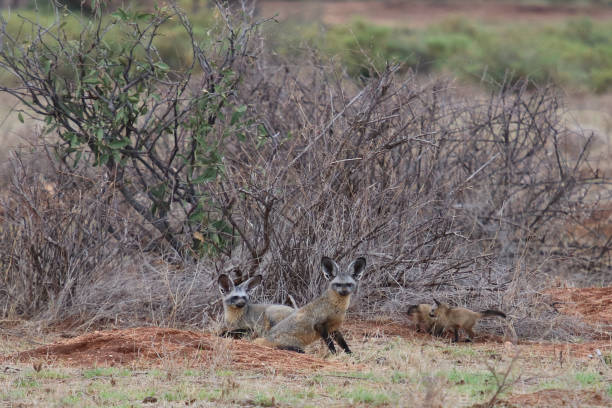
386 369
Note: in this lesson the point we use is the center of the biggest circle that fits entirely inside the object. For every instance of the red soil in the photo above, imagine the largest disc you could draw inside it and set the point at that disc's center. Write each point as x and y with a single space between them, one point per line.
560 398
155 345
594 305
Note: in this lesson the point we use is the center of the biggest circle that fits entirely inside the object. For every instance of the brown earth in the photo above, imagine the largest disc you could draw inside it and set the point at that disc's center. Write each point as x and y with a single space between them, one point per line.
155 345
423 13
594 305
559 398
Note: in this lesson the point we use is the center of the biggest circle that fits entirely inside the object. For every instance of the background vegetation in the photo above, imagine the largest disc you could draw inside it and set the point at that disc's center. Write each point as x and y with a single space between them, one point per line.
575 53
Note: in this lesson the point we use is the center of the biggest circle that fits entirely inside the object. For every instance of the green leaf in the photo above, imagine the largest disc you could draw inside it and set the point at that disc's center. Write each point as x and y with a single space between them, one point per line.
77 159
20 117
121 14
102 159
162 66
119 144
143 16
197 215
47 66
238 113
74 140
100 134
208 175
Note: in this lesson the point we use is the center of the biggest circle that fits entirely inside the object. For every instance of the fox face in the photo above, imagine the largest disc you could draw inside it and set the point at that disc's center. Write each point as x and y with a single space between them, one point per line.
439 310
237 296
343 283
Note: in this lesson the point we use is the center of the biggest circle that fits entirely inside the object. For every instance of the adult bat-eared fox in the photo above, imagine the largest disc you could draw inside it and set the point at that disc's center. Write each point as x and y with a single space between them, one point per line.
322 317
240 316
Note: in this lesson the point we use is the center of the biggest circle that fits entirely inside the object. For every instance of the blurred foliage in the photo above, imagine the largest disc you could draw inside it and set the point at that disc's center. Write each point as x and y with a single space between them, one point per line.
575 54
172 42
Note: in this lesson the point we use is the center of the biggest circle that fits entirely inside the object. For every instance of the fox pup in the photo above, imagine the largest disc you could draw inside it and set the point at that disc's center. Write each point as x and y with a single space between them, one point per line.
423 321
456 318
243 318
322 317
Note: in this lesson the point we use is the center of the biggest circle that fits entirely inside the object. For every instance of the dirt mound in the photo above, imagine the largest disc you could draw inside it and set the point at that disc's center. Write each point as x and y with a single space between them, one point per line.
154 345
560 398
594 305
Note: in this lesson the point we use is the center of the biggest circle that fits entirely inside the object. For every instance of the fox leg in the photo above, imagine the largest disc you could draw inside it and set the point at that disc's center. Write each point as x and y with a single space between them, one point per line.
469 334
456 338
324 333
341 342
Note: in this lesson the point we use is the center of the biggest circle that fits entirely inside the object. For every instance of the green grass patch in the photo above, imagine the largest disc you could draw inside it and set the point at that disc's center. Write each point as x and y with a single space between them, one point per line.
73 398
26 382
474 384
176 395
459 351
398 377
264 400
549 385
587 378
224 373
209 394
50 375
362 395
106 372
114 395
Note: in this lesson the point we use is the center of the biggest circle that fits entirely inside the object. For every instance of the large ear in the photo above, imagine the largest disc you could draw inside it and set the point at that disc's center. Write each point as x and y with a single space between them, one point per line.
225 284
357 268
252 282
330 268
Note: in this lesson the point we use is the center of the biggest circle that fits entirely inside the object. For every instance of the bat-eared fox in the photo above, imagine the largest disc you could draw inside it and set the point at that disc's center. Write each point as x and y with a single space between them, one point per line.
322 317
456 318
241 317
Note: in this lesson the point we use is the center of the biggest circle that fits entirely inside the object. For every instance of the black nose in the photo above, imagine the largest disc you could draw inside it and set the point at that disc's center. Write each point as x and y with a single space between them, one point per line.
240 303
343 292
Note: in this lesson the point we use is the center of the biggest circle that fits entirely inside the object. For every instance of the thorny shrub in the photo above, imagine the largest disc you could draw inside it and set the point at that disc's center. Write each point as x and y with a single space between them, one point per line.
471 199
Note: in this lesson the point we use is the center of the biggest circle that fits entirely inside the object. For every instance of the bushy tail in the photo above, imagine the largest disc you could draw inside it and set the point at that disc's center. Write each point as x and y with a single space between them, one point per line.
493 313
